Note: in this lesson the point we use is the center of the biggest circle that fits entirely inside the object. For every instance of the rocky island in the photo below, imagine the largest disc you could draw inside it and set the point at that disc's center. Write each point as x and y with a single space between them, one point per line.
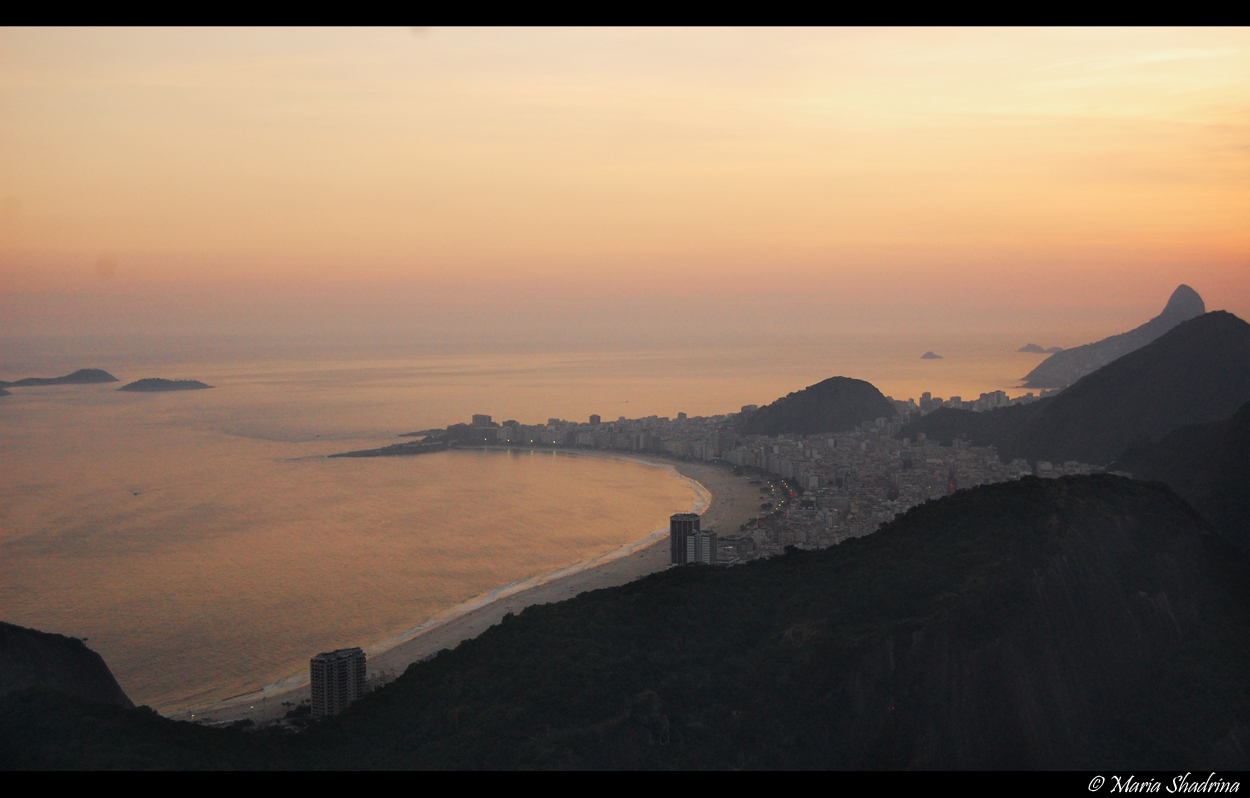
157 385
80 377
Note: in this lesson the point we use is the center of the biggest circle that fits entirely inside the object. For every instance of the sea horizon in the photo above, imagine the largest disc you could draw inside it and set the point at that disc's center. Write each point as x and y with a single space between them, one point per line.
289 414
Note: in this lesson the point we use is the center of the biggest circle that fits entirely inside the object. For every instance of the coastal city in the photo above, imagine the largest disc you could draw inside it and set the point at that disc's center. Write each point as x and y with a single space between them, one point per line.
815 490
381 399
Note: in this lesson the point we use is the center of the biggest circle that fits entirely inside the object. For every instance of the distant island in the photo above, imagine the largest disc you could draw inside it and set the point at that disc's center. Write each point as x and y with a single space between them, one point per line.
80 377
930 356
157 385
1037 350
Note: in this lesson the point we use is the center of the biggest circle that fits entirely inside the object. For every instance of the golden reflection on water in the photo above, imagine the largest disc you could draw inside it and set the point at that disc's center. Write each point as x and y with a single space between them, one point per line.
201 564
205 547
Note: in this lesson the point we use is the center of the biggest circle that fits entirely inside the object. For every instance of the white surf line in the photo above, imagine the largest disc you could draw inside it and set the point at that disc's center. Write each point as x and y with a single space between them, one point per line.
702 500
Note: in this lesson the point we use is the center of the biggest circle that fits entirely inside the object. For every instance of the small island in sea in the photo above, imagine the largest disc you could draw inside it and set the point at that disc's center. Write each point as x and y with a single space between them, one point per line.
80 377
1037 350
930 356
156 384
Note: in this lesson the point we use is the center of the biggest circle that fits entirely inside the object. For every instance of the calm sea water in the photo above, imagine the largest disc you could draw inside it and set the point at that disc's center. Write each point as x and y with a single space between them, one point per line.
205 546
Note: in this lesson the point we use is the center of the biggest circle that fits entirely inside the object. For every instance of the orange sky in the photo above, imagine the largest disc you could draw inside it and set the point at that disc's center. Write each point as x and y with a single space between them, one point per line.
967 169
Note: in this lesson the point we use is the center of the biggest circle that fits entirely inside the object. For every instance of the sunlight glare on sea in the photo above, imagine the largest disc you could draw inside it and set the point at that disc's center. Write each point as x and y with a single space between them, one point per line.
206 547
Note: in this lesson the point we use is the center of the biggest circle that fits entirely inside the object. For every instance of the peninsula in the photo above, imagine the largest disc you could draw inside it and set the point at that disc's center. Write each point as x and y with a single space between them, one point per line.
399 449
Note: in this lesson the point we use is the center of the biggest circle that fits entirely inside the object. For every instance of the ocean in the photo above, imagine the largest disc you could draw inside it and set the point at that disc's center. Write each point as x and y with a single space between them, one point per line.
205 546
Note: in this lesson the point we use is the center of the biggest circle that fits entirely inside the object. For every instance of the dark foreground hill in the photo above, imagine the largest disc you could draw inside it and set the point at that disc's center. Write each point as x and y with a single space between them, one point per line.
1066 367
30 658
157 385
1198 373
80 377
1087 622
1209 466
834 405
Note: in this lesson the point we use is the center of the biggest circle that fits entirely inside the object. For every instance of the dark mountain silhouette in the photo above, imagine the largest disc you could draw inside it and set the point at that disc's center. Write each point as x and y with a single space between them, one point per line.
993 428
1064 368
1033 348
1208 465
30 658
834 405
930 356
80 377
156 385
1198 373
1079 623
3 392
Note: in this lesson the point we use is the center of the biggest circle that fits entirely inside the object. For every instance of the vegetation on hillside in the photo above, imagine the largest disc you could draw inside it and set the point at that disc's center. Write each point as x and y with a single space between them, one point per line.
833 405
1068 365
1208 465
1199 372
1081 622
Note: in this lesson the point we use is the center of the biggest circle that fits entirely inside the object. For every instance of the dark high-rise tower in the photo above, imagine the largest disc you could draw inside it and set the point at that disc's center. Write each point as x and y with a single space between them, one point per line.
338 678
679 526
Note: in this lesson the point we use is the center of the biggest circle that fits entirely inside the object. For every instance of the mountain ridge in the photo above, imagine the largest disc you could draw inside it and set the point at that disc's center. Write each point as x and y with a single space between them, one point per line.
31 658
1082 622
1198 372
1208 465
1066 367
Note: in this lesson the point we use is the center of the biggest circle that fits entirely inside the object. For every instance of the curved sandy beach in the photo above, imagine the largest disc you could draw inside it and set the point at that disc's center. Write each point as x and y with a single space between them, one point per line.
724 501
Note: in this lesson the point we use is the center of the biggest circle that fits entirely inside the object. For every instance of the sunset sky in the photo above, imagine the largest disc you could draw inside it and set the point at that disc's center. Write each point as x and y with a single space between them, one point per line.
175 178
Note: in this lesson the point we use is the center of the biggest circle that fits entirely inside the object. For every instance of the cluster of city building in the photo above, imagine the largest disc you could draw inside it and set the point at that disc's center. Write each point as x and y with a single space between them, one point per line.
828 488
987 401
815 490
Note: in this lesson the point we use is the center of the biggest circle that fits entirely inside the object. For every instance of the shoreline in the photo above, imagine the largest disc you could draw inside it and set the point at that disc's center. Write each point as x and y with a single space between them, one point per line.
724 504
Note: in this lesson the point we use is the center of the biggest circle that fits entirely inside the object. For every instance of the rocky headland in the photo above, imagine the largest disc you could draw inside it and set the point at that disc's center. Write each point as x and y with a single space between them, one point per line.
834 405
1069 365
30 658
